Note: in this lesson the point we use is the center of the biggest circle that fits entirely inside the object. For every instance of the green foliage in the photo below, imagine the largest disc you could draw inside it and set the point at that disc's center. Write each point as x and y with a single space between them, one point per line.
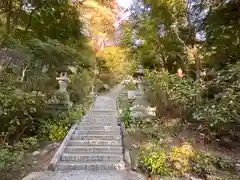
161 32
203 164
222 34
221 113
158 161
20 112
55 54
126 118
57 127
170 91
38 45
57 132
8 158
180 158
206 164
52 19
224 163
155 162
10 155
113 64
26 144
211 101
80 86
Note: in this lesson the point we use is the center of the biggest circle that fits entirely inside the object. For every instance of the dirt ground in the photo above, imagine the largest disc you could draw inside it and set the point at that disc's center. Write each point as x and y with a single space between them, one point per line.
133 141
35 161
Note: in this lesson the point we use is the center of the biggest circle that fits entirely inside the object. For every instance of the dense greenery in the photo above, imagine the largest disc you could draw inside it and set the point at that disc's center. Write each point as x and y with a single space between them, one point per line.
181 160
35 45
201 38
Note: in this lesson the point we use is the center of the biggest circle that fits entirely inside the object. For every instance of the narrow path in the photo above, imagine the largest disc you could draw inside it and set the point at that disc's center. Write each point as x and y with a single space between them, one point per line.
94 149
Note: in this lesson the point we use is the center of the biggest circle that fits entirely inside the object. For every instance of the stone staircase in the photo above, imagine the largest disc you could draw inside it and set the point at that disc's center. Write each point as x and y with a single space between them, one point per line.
96 142
92 149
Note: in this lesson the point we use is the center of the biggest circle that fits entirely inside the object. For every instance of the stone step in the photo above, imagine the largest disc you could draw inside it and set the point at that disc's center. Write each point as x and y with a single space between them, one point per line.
96 127
90 166
94 149
96 137
92 156
106 112
100 118
100 123
87 123
95 143
97 132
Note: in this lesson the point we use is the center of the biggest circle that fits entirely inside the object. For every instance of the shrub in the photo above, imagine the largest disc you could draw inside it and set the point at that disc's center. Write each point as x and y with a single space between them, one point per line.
202 164
126 118
80 86
155 162
56 128
53 129
57 132
224 163
180 158
206 164
11 155
222 112
170 91
20 112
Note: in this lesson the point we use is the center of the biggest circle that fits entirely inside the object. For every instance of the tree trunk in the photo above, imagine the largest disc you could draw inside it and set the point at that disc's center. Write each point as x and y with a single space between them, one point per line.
198 66
8 17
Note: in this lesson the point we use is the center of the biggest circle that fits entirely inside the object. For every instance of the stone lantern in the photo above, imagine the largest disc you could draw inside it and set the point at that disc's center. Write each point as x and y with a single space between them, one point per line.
62 94
62 81
139 74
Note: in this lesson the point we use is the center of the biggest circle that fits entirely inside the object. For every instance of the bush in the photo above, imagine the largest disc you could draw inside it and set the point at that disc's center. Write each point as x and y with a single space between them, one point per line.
169 91
113 65
80 86
57 131
56 128
180 158
155 162
222 112
218 110
20 112
203 164
53 129
126 118
206 164
11 155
